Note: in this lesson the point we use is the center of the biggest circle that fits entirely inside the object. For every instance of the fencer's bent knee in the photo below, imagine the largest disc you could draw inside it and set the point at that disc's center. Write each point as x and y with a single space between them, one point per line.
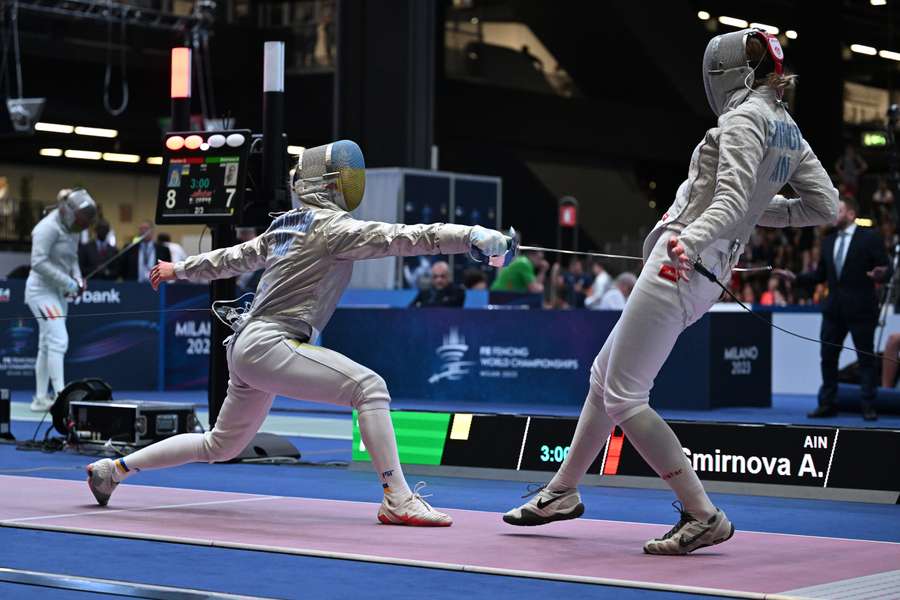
220 447
371 392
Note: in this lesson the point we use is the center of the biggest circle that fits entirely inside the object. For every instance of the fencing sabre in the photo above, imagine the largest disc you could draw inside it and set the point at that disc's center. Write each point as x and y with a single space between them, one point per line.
514 248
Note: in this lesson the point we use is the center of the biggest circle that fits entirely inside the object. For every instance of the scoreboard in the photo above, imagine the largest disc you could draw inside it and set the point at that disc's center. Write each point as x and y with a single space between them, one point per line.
203 177
746 454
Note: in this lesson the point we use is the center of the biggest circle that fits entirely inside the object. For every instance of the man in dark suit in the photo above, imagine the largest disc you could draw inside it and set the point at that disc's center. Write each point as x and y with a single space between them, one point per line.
96 252
853 259
442 292
140 259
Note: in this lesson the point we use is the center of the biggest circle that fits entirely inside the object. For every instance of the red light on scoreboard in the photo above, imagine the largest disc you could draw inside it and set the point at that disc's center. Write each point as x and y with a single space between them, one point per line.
176 142
193 142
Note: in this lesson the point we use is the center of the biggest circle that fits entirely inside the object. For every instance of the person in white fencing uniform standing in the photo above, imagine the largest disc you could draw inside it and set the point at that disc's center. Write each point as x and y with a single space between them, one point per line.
54 277
308 255
733 182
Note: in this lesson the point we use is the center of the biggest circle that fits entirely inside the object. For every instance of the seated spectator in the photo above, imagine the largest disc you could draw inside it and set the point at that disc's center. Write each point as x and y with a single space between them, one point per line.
98 251
578 282
600 285
442 292
748 295
773 296
176 250
474 279
524 275
560 299
143 256
616 297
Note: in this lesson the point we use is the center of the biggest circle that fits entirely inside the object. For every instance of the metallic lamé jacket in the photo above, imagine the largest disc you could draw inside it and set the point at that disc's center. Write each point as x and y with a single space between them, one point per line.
736 173
308 256
54 258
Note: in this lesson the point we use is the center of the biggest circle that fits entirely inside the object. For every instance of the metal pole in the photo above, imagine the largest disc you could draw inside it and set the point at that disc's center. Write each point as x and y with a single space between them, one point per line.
274 175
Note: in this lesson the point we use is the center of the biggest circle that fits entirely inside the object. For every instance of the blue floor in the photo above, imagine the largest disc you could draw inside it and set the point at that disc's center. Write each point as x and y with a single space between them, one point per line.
282 576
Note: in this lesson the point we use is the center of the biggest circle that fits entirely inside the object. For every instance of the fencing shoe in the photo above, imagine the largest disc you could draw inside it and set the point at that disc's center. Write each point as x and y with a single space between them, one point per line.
100 480
690 534
42 403
413 511
546 506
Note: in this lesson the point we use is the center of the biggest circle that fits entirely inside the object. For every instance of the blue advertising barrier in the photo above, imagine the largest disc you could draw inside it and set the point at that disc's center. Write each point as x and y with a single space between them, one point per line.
545 356
122 348
510 356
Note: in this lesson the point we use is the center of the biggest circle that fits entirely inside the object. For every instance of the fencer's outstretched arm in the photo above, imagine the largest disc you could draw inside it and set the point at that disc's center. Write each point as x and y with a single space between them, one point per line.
224 262
818 201
353 239
742 143
43 237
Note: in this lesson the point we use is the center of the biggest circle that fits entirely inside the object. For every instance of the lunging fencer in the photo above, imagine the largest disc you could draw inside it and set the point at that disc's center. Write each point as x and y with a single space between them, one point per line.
54 278
733 181
308 255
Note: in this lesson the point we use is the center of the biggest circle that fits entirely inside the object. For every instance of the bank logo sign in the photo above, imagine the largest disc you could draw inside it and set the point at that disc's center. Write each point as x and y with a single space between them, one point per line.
99 297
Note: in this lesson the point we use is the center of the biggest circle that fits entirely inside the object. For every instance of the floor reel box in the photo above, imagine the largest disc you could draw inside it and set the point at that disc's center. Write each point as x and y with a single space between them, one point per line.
130 422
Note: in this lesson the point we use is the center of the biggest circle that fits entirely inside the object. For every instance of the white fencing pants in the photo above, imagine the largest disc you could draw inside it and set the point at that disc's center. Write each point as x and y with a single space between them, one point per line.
622 375
264 361
51 309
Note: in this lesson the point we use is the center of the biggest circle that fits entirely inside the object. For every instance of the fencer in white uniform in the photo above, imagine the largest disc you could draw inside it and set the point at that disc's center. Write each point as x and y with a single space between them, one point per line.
733 182
308 255
55 277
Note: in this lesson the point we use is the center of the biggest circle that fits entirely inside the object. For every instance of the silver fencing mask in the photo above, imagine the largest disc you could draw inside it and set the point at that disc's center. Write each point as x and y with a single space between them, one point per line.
336 169
726 68
77 209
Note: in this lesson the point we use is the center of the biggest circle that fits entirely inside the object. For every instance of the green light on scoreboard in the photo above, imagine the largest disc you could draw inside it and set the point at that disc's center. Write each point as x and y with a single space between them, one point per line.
420 437
874 138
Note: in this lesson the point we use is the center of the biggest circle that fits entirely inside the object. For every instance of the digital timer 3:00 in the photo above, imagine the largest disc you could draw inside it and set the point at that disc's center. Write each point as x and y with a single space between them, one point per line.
554 454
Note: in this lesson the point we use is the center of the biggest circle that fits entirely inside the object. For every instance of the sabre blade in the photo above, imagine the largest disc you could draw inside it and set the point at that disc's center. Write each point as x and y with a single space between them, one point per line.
596 254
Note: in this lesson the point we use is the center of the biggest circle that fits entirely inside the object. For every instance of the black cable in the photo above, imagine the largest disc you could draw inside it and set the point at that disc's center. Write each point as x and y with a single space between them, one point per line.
200 241
15 33
123 64
698 266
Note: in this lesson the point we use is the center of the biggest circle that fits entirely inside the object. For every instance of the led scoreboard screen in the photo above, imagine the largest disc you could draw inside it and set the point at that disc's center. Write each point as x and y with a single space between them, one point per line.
755 453
202 178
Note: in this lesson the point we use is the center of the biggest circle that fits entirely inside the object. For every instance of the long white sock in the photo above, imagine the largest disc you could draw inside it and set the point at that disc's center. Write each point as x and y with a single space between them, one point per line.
657 443
41 375
55 370
170 452
377 431
591 434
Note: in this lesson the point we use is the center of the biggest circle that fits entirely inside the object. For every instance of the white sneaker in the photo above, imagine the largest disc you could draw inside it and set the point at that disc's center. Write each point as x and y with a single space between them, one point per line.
689 534
42 403
100 480
546 506
413 511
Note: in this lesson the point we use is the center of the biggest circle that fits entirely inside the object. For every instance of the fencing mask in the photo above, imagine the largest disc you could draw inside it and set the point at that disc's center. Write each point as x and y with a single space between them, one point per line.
726 68
336 169
77 209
